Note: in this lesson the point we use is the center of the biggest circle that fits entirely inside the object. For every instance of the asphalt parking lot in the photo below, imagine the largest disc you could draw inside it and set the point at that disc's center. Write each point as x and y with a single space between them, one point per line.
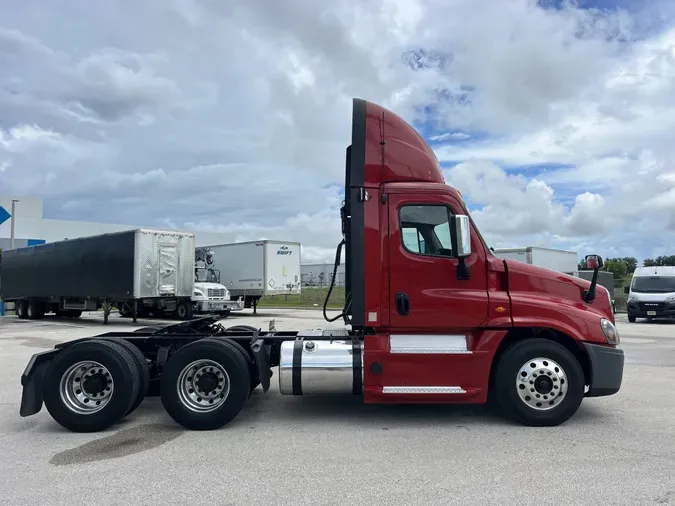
321 451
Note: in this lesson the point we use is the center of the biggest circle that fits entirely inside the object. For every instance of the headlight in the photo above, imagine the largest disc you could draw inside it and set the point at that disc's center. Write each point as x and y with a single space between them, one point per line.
633 298
197 293
610 331
670 298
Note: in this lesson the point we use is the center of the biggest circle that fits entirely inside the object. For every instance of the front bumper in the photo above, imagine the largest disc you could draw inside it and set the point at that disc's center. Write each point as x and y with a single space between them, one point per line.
606 369
649 309
219 306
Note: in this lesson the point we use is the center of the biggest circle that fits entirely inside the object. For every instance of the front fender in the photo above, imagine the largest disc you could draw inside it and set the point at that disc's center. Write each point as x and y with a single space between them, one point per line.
576 320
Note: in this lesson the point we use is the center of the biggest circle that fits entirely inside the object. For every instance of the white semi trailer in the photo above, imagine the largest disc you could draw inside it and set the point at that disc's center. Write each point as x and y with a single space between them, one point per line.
554 259
256 269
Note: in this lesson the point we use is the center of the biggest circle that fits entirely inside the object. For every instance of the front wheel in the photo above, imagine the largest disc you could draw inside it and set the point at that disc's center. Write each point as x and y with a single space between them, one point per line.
539 382
631 318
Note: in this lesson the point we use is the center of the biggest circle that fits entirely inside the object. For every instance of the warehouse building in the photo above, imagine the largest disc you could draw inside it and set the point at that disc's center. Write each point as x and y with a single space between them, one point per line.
31 227
321 274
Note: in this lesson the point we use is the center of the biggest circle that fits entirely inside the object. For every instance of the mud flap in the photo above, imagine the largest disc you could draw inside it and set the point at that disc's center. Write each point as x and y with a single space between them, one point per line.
31 380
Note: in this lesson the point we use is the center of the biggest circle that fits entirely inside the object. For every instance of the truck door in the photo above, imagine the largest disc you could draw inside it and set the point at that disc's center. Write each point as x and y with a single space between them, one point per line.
168 268
425 292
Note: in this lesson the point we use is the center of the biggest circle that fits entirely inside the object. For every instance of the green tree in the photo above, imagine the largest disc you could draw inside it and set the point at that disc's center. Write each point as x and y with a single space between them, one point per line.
617 267
631 264
659 261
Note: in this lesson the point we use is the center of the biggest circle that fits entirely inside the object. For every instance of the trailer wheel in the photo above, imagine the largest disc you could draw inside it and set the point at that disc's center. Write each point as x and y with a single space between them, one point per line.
141 367
205 384
21 309
184 310
91 385
34 310
539 382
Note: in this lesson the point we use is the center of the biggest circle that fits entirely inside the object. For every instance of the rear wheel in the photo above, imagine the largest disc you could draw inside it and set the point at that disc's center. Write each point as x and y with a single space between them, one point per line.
34 310
247 358
205 384
184 310
141 367
91 385
539 382
21 309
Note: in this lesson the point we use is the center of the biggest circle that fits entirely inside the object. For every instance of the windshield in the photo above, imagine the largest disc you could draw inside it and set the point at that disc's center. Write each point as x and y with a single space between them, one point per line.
207 275
653 284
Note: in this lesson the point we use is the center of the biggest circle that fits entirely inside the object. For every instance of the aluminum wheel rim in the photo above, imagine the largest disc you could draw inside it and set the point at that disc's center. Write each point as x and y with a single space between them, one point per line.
203 386
86 387
541 384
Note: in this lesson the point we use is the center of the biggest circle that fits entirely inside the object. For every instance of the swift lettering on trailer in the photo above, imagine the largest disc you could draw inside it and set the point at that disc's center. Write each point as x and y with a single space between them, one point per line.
436 319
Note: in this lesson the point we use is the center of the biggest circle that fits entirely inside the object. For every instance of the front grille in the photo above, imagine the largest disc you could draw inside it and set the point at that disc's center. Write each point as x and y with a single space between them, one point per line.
652 306
216 292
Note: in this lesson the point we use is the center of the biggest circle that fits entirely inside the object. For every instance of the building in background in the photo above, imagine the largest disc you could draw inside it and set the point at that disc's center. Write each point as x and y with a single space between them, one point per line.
321 274
31 227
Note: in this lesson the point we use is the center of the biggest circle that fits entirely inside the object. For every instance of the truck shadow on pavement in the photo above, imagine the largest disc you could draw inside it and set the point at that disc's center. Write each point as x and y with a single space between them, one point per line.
263 409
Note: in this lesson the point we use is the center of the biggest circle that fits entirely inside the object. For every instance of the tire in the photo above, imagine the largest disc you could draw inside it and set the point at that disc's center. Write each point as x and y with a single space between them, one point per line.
121 369
631 318
141 367
236 383
34 310
149 328
21 309
225 314
247 328
547 356
247 357
184 310
73 313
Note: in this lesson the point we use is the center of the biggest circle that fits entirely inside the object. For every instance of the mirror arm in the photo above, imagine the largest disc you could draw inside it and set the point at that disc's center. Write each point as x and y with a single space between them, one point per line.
463 270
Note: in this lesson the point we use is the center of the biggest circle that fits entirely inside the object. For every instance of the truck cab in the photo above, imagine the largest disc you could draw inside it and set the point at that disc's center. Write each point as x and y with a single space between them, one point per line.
210 296
651 293
444 319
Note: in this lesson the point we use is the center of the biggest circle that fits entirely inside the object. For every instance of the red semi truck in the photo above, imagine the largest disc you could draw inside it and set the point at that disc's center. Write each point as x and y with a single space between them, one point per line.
432 317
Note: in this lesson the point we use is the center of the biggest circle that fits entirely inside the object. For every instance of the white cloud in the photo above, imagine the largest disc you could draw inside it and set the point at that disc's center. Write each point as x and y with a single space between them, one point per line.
235 115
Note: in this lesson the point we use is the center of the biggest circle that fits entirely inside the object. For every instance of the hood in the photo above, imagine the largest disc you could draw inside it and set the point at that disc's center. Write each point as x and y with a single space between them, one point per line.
203 285
555 286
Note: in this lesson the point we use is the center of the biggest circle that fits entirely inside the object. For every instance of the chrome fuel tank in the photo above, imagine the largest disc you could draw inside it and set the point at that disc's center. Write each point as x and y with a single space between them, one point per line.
308 367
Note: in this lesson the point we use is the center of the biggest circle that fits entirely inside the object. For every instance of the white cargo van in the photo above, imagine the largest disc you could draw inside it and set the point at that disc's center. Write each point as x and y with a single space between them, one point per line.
651 293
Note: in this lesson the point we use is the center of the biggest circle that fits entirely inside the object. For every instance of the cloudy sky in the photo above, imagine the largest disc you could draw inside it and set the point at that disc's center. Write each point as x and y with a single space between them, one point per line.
555 119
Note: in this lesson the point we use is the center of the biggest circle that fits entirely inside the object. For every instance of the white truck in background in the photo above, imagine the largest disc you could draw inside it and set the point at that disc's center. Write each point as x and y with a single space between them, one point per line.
256 269
210 296
554 259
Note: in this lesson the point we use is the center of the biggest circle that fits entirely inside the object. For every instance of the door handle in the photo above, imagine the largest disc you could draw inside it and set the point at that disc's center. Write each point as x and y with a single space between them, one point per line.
402 303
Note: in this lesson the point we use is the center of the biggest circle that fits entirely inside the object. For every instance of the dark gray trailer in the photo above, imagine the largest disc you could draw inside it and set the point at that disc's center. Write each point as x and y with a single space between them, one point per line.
149 271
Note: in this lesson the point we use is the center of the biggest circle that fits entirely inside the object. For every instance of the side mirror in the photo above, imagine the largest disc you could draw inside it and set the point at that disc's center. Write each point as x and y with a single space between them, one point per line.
626 289
594 262
460 235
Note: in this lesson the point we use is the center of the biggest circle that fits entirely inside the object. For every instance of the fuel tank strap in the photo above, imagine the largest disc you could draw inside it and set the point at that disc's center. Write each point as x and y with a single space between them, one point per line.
357 388
297 366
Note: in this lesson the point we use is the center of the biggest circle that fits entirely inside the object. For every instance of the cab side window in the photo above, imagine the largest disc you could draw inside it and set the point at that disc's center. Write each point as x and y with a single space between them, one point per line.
425 229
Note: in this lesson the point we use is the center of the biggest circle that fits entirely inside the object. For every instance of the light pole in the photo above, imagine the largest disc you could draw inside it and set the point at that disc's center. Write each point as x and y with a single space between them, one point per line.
11 224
